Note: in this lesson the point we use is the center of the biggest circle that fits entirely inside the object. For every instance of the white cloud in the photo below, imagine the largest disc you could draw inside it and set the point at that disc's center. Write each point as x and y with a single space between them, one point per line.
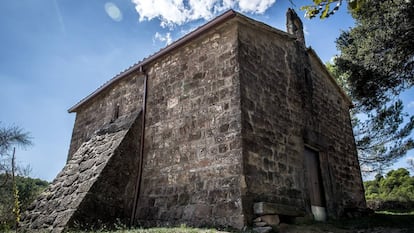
163 38
410 104
255 6
178 12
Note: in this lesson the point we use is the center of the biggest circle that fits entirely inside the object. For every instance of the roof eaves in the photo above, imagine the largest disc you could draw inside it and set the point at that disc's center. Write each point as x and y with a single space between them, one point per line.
343 93
138 66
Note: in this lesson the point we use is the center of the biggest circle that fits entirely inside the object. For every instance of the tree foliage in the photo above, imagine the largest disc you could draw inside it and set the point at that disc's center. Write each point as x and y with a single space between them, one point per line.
28 190
378 53
324 8
382 135
397 185
10 137
375 64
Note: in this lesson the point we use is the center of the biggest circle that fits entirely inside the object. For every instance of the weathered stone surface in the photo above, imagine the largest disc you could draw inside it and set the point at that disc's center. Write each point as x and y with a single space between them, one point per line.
258 219
262 229
289 102
193 135
266 209
61 204
260 224
125 98
271 220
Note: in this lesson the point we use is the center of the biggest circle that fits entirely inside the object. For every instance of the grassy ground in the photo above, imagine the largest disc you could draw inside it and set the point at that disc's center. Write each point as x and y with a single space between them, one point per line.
385 222
181 229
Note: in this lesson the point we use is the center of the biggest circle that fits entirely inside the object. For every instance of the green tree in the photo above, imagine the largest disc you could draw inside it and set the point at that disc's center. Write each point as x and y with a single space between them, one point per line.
397 185
382 135
10 137
376 63
378 53
324 8
28 189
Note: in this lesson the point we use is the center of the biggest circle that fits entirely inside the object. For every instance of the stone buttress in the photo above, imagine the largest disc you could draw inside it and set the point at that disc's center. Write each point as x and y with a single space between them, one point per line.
78 197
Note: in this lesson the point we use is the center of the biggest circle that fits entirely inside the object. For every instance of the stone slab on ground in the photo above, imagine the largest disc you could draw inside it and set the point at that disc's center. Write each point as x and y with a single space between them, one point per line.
265 208
262 229
271 220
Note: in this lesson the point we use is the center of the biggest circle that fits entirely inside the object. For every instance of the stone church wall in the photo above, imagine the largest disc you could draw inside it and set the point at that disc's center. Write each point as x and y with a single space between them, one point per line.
288 102
339 161
193 151
102 109
271 119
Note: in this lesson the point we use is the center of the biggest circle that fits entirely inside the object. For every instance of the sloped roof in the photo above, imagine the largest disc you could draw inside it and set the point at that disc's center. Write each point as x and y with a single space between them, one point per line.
138 66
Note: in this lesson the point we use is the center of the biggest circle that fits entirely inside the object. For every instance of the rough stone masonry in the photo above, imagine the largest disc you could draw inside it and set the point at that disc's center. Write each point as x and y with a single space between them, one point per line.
240 120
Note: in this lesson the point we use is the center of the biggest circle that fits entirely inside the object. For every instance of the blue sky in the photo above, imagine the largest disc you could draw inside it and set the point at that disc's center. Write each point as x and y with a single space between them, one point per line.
56 52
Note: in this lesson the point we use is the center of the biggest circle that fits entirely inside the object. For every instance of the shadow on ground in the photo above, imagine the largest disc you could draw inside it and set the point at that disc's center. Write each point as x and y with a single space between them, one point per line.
376 223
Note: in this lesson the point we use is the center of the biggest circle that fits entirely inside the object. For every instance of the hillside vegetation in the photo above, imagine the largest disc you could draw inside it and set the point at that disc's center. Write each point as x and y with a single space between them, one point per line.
394 192
28 188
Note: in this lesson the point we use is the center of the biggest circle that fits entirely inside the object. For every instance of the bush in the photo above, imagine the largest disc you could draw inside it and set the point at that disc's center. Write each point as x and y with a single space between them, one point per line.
391 206
394 192
28 189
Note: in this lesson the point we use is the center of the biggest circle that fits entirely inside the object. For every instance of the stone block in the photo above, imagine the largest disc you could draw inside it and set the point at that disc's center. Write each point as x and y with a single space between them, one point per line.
62 218
188 212
202 211
57 230
262 229
271 220
258 219
265 208
260 224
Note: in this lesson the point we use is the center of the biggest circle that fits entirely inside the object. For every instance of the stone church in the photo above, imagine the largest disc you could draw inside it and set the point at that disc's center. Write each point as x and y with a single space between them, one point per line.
234 121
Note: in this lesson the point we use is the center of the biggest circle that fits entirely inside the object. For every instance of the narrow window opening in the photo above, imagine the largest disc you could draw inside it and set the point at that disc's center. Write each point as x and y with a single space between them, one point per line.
115 114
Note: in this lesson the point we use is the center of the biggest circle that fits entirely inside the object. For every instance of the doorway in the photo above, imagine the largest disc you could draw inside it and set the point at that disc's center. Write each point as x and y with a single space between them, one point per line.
315 185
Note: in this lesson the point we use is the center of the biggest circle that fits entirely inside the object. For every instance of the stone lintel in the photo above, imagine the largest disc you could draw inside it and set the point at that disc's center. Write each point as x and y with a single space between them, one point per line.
265 208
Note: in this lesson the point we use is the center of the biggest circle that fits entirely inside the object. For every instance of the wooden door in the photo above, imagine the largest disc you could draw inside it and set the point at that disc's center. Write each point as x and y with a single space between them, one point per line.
314 178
